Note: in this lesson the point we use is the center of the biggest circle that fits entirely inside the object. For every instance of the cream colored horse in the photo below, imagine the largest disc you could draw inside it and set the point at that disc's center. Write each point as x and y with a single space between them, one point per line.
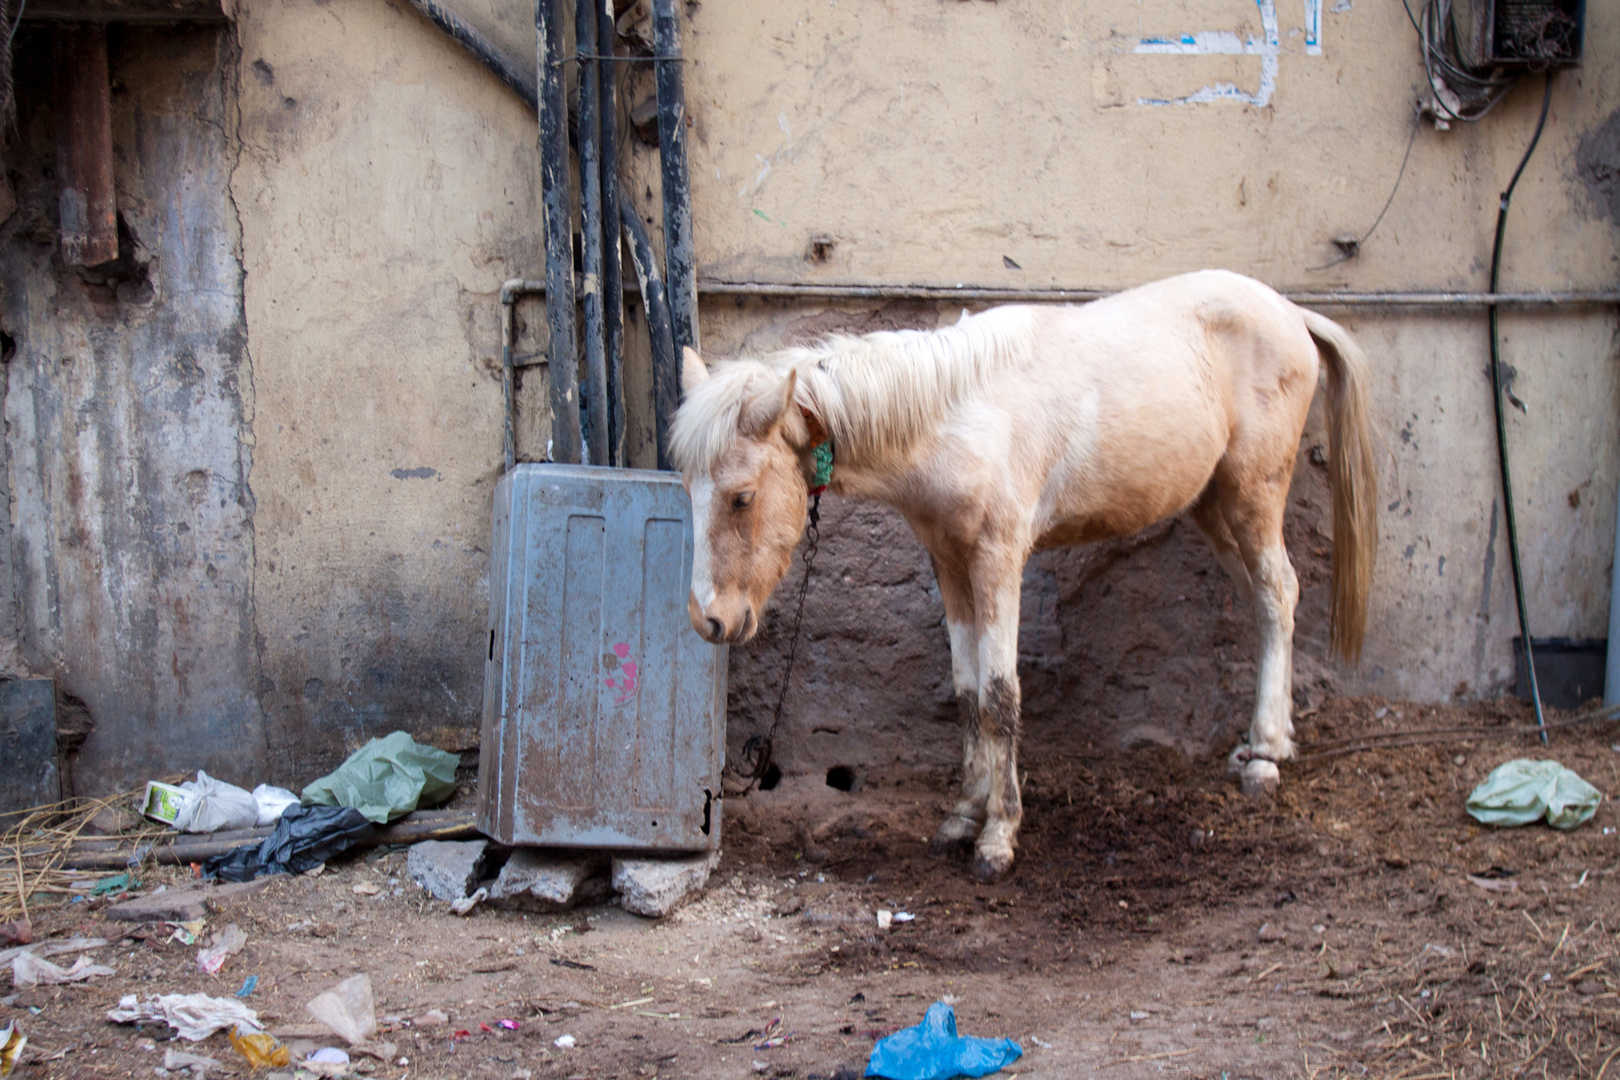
1024 428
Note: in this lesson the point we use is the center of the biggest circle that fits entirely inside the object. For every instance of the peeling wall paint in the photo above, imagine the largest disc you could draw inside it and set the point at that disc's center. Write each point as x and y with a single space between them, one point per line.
128 411
1228 43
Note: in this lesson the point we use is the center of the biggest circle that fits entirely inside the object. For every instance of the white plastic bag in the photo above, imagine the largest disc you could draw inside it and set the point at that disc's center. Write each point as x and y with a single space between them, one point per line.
226 943
348 1009
272 803
28 971
193 1016
217 806
1521 791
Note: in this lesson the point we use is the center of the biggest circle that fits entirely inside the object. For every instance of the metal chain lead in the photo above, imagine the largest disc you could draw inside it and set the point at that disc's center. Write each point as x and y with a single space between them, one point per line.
758 747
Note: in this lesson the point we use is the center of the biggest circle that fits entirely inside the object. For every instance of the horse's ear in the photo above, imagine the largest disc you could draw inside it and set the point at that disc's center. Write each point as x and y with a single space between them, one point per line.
764 412
815 430
692 370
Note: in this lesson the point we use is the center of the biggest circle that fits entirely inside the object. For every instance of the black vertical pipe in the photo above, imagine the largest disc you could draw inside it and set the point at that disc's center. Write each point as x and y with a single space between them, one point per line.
612 263
665 375
680 272
1497 393
554 194
598 438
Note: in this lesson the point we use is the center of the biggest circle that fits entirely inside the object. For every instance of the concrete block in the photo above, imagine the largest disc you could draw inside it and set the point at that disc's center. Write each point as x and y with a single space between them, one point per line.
655 887
28 745
448 869
183 905
538 880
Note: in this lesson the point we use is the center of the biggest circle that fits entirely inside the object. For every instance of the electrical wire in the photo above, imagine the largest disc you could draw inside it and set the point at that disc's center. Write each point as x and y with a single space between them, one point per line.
1498 391
1352 248
1386 740
1475 94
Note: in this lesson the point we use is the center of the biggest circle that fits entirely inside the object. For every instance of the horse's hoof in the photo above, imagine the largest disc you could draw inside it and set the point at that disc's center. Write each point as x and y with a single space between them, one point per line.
1260 778
991 868
956 834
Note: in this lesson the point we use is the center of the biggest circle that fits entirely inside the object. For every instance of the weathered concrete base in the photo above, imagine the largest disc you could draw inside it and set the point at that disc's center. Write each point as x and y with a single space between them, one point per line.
655 887
537 880
447 869
183 905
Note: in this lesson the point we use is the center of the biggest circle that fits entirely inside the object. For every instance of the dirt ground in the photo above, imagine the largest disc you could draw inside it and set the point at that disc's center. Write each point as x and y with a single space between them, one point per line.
1157 924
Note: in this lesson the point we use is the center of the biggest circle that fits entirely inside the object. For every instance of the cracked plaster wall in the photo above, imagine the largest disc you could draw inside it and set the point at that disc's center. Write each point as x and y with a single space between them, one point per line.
128 409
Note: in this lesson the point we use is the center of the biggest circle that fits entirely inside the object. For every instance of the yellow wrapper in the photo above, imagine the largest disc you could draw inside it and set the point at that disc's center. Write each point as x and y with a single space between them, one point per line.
12 1042
262 1051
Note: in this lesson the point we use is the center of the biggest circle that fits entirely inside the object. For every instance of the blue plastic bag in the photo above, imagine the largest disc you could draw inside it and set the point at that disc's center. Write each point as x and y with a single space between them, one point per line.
933 1051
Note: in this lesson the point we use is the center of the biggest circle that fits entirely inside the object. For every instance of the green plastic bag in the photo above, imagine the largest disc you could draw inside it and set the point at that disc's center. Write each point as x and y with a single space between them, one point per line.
387 778
1521 791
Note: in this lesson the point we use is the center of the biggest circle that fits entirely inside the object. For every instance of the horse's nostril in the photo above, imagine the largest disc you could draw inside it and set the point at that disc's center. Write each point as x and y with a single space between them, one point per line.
716 630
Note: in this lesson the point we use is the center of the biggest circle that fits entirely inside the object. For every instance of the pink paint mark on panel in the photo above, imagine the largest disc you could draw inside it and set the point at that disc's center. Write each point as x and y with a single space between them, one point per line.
626 685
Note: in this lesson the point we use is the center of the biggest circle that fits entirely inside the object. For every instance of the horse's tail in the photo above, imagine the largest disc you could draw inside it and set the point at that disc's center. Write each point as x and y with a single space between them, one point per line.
1355 483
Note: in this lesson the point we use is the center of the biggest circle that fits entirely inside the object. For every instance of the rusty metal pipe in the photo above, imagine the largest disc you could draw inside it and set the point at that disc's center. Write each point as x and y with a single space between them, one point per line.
612 261
680 265
793 290
666 376
556 198
598 441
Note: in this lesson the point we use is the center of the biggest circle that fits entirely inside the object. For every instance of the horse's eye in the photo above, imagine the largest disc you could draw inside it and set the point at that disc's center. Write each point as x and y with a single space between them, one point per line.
741 500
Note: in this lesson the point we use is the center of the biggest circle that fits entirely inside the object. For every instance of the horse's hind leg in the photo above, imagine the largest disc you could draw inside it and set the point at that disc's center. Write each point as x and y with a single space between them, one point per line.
1206 514
1254 514
961 827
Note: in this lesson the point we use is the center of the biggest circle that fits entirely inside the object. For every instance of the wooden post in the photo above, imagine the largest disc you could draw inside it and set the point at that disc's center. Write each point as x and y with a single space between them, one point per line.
84 162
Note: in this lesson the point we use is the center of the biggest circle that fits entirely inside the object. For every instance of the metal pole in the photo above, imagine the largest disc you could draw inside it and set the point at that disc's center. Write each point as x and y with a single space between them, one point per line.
598 439
797 290
508 332
665 373
680 269
793 290
502 66
554 194
612 263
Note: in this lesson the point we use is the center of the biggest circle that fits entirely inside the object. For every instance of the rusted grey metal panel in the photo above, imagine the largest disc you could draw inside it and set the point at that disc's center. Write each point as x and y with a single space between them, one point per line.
604 714
28 777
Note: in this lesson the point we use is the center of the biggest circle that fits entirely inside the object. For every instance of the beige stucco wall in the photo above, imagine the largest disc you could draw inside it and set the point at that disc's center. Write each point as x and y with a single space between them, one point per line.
386 187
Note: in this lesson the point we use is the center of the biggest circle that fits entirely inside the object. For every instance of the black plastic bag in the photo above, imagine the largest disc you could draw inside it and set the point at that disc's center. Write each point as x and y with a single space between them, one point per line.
305 837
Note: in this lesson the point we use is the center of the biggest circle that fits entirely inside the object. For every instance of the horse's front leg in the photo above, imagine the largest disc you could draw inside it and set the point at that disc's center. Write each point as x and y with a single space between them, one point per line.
996 579
961 826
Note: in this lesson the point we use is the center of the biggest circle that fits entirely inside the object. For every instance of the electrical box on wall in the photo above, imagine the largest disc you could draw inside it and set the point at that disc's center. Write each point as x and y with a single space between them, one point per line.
1536 34
604 712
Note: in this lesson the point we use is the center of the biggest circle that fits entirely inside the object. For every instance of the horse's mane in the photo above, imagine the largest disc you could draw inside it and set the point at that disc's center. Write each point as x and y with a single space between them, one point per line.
876 394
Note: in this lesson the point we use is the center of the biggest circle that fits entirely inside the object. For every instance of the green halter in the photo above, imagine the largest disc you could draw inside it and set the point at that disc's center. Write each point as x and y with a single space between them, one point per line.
824 466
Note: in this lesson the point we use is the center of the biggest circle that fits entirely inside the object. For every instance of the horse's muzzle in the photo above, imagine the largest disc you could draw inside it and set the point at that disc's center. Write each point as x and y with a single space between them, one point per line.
720 631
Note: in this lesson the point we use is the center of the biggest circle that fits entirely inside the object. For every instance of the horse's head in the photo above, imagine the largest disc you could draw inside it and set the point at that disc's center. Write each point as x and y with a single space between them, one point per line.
744 450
